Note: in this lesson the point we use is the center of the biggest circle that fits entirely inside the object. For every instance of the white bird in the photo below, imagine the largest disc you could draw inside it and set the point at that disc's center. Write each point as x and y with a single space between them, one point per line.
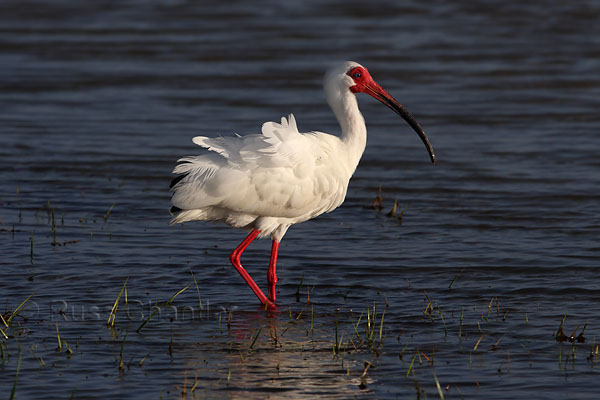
265 183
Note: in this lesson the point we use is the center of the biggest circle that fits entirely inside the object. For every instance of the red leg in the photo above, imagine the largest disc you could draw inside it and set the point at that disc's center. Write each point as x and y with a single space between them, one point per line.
235 260
272 275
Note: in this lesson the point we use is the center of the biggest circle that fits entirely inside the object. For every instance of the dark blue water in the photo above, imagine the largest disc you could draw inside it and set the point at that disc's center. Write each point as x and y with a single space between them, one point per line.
99 99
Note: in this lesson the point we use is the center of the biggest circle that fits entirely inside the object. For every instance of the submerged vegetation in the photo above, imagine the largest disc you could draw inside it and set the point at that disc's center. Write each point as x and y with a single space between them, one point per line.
431 339
365 344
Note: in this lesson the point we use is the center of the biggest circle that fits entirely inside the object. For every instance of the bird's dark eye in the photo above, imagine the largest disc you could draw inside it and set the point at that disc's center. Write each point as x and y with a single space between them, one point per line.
357 75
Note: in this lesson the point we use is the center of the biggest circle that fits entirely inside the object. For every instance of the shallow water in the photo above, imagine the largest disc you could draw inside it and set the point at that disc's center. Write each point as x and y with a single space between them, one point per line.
98 101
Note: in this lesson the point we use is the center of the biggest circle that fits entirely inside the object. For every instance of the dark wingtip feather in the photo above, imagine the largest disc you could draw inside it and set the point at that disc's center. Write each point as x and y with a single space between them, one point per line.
176 180
175 210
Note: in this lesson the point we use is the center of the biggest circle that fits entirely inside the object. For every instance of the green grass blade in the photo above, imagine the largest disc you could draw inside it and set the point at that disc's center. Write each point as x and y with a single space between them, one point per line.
176 294
16 312
14 388
255 337
197 290
113 312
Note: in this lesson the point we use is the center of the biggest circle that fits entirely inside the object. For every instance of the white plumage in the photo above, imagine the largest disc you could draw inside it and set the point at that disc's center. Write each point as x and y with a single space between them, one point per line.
267 182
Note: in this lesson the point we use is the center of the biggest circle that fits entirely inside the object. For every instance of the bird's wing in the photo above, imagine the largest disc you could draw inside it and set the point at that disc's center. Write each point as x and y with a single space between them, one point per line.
280 173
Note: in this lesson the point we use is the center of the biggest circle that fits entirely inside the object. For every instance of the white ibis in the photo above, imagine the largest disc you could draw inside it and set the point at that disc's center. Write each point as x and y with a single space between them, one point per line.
267 182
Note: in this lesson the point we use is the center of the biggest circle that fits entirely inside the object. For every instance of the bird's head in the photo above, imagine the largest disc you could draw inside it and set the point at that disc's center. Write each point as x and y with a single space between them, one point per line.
354 77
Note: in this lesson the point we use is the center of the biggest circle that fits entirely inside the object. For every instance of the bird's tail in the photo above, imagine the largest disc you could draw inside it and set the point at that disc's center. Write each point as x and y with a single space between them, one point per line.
188 215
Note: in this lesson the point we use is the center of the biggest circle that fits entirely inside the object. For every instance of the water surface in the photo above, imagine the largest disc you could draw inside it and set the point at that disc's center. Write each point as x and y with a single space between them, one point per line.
498 240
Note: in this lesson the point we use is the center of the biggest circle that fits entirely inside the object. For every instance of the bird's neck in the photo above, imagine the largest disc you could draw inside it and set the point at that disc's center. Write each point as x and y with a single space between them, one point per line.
354 130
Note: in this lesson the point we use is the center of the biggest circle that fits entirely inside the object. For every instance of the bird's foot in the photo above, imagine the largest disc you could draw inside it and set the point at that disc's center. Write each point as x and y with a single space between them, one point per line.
269 305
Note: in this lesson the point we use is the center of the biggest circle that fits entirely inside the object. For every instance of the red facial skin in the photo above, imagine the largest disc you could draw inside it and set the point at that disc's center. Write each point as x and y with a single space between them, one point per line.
361 78
364 83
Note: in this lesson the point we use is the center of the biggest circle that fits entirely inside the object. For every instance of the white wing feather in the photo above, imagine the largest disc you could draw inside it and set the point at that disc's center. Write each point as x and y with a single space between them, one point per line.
281 173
